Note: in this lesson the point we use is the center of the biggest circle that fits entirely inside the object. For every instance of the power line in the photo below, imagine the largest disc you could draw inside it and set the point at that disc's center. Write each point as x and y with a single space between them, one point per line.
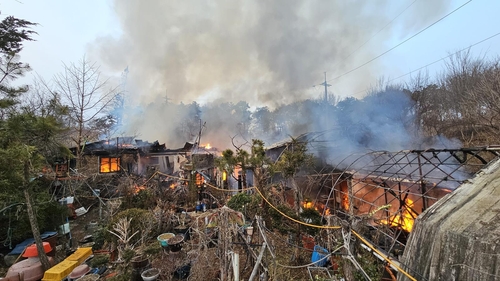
358 67
404 10
380 30
436 61
443 58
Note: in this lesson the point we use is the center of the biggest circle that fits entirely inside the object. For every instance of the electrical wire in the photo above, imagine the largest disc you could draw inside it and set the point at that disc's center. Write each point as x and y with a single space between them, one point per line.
443 58
286 242
436 61
339 227
380 30
311 225
408 39
295 220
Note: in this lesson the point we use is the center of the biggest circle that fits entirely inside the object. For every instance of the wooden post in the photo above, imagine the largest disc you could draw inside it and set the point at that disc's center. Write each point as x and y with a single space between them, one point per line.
236 266
259 259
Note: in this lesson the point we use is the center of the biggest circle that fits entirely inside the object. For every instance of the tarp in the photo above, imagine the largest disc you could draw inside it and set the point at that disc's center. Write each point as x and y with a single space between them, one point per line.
19 248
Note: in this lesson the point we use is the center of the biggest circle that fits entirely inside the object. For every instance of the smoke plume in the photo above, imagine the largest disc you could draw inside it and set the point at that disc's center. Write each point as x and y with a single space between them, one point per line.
266 53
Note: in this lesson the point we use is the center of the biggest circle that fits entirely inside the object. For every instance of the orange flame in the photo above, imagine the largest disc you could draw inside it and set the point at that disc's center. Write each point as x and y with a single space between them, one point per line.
138 188
109 164
307 205
405 219
206 146
318 207
345 201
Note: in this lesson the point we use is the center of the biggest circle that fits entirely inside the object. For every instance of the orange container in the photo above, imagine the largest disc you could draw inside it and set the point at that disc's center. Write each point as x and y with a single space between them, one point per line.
31 251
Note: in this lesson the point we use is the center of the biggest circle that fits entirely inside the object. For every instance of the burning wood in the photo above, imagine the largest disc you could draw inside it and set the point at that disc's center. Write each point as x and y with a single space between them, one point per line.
307 205
138 188
405 218
319 207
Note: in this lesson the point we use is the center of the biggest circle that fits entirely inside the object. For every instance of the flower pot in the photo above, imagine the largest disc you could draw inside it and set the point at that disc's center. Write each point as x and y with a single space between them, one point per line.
139 262
163 238
175 243
150 274
184 230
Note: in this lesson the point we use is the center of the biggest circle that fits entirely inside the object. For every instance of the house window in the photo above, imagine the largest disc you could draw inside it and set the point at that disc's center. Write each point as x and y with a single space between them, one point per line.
109 164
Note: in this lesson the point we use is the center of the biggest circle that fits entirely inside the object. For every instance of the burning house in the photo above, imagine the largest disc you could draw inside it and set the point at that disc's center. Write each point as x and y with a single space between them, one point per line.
131 156
389 190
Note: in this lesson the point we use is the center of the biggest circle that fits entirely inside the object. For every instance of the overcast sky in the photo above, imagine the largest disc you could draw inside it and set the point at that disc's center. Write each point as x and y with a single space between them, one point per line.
265 52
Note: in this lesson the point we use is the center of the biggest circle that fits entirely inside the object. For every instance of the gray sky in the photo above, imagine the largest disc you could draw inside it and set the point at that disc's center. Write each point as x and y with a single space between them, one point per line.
265 52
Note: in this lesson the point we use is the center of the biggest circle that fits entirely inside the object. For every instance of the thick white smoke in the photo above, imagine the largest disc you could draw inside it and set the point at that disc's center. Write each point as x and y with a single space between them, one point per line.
263 52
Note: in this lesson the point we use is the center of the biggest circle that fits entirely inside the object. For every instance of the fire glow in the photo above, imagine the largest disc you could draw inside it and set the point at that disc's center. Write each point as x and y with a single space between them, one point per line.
138 188
318 207
109 164
405 219
345 202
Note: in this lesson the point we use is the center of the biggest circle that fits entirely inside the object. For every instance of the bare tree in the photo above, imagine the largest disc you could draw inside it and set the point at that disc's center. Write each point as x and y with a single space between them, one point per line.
463 103
87 96
483 105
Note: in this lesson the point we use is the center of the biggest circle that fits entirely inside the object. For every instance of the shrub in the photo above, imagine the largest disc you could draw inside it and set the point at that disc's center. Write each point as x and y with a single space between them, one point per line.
99 260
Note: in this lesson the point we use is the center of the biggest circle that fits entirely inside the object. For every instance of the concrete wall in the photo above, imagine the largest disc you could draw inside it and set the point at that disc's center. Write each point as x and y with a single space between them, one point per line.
458 238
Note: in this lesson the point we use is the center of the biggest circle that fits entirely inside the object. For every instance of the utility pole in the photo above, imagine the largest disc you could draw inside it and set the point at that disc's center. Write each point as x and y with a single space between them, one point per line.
167 99
326 88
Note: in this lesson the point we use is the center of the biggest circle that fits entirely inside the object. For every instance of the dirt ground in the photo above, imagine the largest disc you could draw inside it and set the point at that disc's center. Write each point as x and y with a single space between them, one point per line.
83 225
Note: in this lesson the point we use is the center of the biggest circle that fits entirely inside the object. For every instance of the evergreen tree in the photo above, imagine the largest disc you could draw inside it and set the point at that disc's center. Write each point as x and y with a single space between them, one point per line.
27 133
